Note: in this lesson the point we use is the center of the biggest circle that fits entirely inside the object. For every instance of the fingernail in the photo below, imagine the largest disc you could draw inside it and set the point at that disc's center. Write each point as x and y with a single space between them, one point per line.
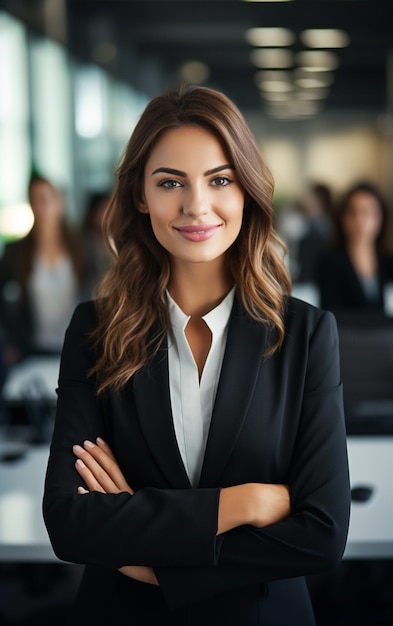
77 449
88 444
80 462
99 440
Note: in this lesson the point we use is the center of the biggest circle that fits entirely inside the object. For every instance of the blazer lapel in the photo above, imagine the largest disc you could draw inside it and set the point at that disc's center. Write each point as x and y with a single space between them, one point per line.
246 344
152 396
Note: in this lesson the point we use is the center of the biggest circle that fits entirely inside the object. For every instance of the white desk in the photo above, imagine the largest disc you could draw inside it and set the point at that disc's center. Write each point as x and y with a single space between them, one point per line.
23 535
371 524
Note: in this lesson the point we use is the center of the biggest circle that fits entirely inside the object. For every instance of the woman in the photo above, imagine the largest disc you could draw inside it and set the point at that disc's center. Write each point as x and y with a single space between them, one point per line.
42 278
354 273
219 476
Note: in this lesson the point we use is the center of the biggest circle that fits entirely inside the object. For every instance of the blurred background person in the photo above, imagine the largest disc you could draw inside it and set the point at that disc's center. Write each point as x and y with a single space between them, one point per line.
98 255
42 278
354 273
316 205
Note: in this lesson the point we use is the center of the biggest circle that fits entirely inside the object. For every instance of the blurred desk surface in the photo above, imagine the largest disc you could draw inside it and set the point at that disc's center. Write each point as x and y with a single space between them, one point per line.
371 524
23 536
35 378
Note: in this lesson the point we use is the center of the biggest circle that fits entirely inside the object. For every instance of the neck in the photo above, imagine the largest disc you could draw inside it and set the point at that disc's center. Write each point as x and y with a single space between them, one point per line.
49 236
362 246
199 287
49 244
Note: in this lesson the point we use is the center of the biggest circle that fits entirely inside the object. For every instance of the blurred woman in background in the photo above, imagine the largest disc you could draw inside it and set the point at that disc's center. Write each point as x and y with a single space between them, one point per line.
42 278
354 272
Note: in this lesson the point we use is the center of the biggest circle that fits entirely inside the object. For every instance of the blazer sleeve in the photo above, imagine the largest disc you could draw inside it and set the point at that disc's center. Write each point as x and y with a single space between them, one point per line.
14 330
313 537
153 526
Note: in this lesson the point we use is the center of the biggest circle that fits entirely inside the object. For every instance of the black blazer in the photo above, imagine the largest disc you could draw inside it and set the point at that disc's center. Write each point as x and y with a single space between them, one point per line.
276 419
340 287
16 314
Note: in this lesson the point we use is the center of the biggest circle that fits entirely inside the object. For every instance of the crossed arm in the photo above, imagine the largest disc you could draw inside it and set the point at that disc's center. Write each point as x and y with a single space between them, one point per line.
258 504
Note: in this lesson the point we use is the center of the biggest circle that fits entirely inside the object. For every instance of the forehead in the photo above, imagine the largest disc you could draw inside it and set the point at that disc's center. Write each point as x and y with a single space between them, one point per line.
364 200
41 187
184 144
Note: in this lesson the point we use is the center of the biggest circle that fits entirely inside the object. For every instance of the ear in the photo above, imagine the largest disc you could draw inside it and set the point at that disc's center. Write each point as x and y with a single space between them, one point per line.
142 206
140 202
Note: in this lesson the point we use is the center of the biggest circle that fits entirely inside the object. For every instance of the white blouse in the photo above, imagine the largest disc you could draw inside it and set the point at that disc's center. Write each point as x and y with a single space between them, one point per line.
54 295
192 400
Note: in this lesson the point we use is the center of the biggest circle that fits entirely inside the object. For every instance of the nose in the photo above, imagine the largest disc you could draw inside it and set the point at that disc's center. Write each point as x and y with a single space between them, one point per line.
195 201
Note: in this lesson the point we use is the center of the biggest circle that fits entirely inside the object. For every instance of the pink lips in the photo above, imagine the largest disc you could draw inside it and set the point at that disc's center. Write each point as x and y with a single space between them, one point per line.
198 232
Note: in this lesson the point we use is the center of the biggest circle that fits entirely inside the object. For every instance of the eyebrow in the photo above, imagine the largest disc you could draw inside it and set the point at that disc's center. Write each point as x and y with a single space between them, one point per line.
174 172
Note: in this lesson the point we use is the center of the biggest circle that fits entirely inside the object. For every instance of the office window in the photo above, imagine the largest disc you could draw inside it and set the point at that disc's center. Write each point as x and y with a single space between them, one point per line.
52 112
14 112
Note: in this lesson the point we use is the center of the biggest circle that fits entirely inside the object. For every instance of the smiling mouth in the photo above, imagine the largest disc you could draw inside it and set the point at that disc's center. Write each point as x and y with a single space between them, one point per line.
199 232
197 228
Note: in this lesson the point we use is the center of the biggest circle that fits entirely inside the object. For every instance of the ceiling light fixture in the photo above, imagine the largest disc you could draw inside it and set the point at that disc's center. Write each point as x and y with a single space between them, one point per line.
317 60
276 96
314 81
324 38
271 57
269 37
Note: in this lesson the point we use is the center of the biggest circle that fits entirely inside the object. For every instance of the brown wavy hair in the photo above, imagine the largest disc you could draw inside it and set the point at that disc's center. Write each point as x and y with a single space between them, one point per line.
131 302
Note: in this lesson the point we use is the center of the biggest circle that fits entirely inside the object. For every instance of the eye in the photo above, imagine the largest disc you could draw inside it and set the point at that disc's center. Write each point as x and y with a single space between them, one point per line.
221 181
169 184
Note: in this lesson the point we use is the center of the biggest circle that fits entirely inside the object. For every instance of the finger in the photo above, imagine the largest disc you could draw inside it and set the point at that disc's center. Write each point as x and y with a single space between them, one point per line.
104 446
104 469
95 476
88 477
107 461
82 490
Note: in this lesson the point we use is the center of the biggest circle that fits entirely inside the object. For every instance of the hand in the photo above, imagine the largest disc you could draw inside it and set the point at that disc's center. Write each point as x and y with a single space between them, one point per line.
139 572
272 504
258 504
99 469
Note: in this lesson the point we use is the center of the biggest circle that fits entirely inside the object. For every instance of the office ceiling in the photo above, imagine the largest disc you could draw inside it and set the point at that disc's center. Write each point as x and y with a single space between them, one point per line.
147 42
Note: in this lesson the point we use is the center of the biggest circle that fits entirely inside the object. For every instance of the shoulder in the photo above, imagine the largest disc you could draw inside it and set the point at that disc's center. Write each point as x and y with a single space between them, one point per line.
334 256
301 318
386 261
78 354
311 345
84 316
77 340
87 309
13 248
303 322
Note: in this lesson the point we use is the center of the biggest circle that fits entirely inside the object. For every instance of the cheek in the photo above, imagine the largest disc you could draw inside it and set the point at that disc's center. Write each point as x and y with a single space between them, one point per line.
235 212
377 223
159 224
161 207
233 204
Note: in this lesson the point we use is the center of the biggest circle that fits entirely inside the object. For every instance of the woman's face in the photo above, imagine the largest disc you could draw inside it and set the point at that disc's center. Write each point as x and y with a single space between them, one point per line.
362 219
192 195
46 203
